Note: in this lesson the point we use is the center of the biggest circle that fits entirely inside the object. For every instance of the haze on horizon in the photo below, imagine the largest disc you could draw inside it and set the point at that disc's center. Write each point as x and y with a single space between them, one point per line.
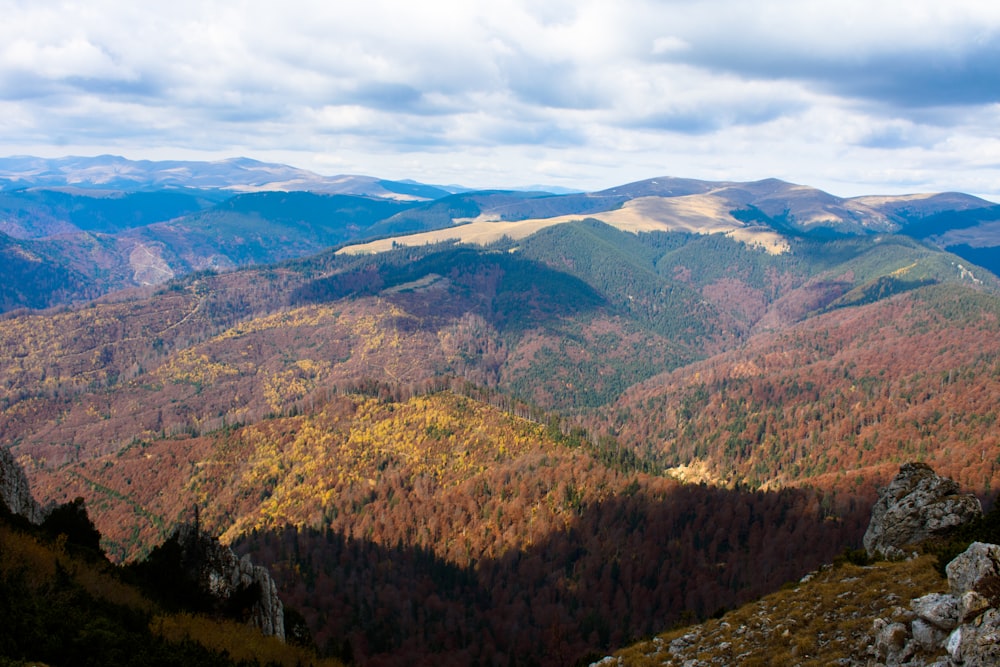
852 97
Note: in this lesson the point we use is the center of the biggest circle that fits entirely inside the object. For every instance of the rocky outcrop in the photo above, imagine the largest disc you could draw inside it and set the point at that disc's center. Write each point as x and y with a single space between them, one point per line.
231 581
14 489
916 505
961 627
874 615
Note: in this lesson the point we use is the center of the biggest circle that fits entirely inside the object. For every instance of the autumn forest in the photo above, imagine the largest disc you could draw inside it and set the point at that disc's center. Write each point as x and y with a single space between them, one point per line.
527 451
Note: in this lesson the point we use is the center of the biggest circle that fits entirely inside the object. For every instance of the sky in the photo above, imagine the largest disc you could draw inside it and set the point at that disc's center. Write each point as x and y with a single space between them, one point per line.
854 97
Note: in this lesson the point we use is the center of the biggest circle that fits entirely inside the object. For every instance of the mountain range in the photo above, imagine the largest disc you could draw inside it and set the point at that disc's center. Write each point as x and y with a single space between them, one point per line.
72 229
495 426
110 173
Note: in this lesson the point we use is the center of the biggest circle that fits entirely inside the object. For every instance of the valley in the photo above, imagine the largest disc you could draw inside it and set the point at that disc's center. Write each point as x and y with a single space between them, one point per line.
531 430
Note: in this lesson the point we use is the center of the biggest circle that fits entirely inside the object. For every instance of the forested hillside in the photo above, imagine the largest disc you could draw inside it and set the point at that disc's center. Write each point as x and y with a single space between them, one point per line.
455 453
94 226
837 397
440 530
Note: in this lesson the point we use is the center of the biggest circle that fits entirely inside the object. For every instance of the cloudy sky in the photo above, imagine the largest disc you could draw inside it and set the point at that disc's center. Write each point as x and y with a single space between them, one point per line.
855 97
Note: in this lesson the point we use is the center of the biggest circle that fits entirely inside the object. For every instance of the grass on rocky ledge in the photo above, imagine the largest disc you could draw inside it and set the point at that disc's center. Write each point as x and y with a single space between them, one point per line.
818 622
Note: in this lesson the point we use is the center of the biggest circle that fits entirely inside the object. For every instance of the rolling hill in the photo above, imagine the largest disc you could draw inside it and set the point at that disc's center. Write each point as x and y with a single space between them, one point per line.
117 223
657 402
424 530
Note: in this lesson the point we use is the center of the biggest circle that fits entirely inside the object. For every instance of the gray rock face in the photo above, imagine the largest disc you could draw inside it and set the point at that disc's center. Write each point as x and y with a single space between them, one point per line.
890 640
14 488
949 630
224 575
961 627
978 643
927 636
937 609
916 505
974 570
972 604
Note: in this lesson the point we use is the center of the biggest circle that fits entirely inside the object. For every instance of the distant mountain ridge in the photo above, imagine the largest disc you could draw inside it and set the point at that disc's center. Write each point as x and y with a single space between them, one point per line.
114 173
78 227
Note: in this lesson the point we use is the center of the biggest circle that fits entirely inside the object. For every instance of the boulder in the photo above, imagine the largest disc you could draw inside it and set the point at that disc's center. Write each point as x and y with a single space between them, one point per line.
961 627
890 640
972 604
927 635
916 505
937 609
969 611
976 569
977 644
974 583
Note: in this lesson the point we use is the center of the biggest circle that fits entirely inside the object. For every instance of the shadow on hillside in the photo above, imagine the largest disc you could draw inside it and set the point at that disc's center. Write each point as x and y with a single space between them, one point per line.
509 291
621 569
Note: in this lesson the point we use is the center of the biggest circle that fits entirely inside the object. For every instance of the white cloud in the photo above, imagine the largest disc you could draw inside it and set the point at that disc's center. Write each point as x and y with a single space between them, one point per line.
668 44
74 58
854 94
